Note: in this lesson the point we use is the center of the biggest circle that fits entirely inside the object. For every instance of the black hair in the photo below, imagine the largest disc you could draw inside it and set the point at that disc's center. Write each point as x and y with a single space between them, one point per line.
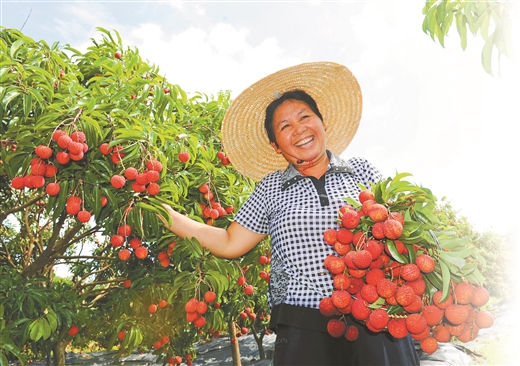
290 95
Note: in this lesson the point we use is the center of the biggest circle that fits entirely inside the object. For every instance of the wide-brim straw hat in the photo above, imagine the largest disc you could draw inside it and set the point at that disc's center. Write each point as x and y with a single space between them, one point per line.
333 87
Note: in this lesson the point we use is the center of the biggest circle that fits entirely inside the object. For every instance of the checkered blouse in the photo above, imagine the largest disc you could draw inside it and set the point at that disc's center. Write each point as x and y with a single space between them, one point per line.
295 211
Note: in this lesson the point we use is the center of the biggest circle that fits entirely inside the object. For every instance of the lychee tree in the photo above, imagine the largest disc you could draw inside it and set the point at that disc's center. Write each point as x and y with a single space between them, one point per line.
92 144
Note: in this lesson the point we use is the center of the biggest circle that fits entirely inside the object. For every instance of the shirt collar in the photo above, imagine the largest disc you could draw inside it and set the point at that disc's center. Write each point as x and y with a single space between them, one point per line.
336 165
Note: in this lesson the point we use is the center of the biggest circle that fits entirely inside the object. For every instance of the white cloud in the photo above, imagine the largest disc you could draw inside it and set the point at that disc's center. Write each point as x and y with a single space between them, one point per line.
176 4
209 61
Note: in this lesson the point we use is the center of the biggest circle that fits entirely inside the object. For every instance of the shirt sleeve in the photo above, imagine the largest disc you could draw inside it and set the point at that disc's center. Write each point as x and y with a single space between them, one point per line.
365 172
253 215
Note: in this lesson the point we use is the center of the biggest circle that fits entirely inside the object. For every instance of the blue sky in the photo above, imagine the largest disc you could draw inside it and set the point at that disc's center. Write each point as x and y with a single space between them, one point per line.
428 110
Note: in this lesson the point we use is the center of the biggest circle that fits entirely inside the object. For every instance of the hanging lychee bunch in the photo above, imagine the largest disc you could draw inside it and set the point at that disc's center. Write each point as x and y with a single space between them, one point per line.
391 272
44 167
124 235
142 181
211 208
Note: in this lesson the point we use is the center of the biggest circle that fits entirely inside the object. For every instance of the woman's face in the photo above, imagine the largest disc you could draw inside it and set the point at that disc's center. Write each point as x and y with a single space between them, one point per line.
299 132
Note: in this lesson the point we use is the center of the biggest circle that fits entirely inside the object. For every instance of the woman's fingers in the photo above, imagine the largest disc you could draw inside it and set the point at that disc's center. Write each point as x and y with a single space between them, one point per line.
163 219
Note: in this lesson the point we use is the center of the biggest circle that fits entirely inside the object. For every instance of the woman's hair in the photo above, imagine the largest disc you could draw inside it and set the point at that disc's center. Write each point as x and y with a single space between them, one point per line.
290 95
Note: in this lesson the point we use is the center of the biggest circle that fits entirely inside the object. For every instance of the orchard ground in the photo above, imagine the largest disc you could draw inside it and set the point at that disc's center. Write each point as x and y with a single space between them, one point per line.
494 346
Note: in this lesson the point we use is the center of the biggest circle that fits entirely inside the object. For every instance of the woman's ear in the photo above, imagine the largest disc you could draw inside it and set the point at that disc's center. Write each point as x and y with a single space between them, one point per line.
276 148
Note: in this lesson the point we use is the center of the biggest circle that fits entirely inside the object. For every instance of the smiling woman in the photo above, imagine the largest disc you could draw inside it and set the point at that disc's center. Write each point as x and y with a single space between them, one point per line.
309 111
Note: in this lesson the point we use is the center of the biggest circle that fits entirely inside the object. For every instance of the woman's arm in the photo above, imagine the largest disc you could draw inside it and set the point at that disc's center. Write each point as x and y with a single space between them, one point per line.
230 243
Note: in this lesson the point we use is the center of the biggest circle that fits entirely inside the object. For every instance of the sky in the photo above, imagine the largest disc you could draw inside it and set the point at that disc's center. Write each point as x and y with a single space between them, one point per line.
427 110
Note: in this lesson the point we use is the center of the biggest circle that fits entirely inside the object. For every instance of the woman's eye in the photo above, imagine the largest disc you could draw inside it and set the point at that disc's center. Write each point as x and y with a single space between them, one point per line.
283 127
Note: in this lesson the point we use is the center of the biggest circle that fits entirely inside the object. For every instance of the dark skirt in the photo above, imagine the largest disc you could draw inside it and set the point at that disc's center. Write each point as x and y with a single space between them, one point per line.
300 346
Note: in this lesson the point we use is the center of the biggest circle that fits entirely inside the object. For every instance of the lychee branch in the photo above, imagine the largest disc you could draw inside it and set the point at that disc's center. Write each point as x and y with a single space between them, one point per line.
15 209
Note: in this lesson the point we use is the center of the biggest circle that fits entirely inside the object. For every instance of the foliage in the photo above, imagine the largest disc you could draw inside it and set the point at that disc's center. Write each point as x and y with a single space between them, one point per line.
492 19
113 97
491 246
36 313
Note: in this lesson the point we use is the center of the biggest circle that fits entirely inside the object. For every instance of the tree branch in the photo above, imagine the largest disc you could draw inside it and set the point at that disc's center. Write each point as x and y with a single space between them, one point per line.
3 215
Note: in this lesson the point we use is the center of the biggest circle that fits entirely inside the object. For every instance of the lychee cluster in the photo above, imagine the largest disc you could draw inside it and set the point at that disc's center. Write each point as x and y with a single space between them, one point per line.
248 288
124 239
211 208
129 243
43 167
142 181
373 283
195 308
223 158
264 260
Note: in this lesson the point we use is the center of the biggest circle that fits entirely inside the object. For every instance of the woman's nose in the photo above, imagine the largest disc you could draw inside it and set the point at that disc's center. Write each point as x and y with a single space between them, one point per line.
300 128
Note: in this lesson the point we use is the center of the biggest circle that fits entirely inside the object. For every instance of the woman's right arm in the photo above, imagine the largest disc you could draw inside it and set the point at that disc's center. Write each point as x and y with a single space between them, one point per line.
232 242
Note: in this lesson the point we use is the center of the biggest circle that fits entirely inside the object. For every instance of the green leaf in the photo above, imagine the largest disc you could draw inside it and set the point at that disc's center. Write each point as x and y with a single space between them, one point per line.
377 304
53 321
462 29
15 47
447 257
487 51
435 279
395 253
446 278
453 243
46 329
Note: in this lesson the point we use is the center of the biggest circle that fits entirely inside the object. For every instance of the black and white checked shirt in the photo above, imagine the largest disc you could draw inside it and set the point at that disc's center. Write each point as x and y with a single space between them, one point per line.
295 211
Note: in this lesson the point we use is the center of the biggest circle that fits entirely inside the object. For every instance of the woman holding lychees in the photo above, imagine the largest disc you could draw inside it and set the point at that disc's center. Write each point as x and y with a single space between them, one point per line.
286 131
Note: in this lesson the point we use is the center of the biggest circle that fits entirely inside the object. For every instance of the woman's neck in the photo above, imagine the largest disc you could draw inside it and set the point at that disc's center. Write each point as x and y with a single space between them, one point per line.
315 168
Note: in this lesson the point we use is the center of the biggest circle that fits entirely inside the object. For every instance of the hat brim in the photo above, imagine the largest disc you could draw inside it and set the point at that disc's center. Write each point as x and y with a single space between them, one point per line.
333 87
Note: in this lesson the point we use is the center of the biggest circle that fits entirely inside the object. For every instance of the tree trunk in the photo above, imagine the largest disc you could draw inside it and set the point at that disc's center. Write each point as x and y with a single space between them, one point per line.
235 349
59 352
259 342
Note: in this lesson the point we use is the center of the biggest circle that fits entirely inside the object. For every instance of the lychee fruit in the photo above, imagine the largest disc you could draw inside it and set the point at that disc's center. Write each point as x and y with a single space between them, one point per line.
456 314
377 212
378 318
326 306
52 189
336 328
410 272
397 328
463 293
117 181
429 345
415 323
352 333
484 319
350 219
365 195
43 151
84 216
392 229
425 263
154 165
153 189
124 254
480 296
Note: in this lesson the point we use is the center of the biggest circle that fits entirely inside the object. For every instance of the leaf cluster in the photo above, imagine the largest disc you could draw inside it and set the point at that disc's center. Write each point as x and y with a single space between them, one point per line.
491 19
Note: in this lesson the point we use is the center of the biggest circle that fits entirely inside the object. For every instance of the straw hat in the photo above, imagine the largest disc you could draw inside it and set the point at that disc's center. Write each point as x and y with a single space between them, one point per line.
333 87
